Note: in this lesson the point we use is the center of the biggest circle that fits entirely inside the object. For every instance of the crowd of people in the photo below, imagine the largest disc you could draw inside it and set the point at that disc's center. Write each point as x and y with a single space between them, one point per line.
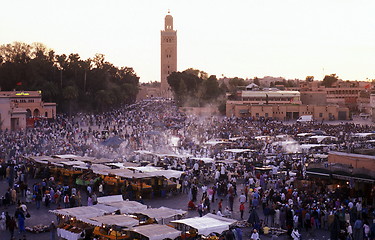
274 197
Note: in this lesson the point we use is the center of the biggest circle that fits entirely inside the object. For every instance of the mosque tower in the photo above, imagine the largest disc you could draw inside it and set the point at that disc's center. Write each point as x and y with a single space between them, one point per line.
168 54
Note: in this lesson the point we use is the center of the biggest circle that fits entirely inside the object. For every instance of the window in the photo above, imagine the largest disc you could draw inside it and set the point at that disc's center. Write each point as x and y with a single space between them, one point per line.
320 114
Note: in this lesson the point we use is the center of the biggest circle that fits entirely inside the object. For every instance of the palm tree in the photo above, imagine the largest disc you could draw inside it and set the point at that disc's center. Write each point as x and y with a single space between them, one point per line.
70 93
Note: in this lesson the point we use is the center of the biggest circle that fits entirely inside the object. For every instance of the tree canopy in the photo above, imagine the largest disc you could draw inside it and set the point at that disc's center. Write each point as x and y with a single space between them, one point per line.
87 85
193 88
329 80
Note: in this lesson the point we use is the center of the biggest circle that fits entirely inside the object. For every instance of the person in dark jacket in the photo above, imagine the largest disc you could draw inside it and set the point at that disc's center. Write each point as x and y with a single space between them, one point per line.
11 226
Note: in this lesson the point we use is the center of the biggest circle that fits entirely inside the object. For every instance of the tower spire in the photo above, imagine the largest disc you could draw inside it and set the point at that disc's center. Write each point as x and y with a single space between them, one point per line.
168 54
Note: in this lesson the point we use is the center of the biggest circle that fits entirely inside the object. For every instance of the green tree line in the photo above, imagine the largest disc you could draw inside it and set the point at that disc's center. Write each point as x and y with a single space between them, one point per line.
193 88
73 83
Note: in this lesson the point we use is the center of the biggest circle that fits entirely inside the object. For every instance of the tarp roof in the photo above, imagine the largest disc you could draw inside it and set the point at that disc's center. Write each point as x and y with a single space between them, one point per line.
363 134
117 220
145 168
204 159
127 207
207 224
217 141
109 199
162 213
237 150
319 139
86 211
65 156
308 146
166 173
157 232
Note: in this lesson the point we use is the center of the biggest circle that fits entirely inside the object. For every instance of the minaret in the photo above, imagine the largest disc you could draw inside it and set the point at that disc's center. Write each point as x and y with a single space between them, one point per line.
168 54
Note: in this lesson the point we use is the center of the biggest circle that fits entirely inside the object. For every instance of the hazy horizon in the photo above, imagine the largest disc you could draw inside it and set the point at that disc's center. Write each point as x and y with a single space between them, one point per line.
246 38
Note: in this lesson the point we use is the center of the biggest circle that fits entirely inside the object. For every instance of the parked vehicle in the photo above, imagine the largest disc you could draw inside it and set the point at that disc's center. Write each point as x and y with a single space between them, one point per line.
305 118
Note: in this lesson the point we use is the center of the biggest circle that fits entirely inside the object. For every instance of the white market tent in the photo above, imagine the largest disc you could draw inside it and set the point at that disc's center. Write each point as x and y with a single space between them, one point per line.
109 199
123 165
236 138
127 207
113 220
86 211
99 167
216 141
156 231
207 224
204 159
143 152
161 213
363 135
319 139
304 134
151 171
237 150
65 156
166 173
145 168
262 137
308 146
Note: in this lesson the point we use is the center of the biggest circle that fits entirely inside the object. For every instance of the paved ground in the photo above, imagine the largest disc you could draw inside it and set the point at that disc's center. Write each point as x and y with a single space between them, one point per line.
42 216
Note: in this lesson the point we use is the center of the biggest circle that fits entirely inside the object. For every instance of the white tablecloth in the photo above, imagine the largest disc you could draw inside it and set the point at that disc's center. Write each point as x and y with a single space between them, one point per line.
68 235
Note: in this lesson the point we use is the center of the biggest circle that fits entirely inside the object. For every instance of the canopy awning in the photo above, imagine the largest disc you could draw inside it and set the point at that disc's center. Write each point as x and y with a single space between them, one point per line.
157 232
207 224
237 150
114 220
86 211
109 199
162 213
204 159
127 207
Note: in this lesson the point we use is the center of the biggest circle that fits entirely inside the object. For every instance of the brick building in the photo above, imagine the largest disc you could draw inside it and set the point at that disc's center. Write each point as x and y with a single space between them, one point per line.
17 106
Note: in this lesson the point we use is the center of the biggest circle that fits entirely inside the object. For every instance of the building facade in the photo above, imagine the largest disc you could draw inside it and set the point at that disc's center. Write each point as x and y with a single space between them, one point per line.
18 106
280 105
168 54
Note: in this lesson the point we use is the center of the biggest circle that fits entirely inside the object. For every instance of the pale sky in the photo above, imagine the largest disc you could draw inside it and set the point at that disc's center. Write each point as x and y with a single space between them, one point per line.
239 38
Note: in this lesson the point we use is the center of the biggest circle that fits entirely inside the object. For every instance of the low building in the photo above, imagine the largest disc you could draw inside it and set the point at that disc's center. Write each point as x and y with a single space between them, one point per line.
146 92
372 106
17 106
354 160
280 105
314 98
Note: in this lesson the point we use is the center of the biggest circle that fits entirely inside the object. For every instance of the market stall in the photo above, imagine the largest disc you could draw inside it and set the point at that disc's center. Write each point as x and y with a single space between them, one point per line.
74 221
154 232
114 220
209 223
70 231
162 215
126 207
84 212
109 199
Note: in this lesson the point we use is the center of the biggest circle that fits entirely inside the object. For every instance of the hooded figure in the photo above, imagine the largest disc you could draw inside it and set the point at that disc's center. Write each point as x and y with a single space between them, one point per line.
2 222
253 218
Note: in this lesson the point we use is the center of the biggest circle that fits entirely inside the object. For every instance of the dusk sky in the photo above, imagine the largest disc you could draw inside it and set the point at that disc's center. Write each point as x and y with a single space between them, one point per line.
243 38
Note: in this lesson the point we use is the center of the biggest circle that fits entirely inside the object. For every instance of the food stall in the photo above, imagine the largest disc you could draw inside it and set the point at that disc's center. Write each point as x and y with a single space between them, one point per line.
209 223
112 226
162 215
125 207
154 232
72 220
